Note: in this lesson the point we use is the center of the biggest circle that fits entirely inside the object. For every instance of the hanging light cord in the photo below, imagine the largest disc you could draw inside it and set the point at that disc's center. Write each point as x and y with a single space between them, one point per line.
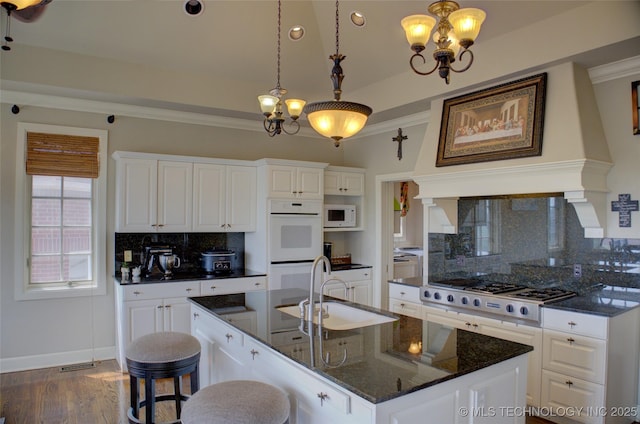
337 30
278 67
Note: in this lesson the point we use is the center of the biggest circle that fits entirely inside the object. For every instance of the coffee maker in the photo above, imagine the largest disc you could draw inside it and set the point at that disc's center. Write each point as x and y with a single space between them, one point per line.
159 257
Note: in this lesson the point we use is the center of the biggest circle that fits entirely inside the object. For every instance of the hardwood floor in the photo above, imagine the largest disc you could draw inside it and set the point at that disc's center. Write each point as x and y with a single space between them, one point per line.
88 396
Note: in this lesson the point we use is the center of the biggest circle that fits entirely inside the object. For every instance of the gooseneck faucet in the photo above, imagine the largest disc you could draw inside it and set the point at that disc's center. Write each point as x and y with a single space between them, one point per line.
306 305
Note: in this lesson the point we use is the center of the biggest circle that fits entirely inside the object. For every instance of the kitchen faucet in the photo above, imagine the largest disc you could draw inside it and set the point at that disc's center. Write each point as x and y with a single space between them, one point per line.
307 314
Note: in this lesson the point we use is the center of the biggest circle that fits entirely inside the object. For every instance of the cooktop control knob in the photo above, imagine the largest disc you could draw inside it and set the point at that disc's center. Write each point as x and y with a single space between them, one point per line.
436 296
510 308
524 310
464 300
477 303
450 298
427 294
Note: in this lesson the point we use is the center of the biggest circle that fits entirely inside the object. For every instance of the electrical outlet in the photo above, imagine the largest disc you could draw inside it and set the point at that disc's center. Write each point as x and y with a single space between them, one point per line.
460 260
577 270
128 257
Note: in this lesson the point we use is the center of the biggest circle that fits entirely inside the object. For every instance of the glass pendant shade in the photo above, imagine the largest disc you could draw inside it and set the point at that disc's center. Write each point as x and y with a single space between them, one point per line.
451 36
337 119
466 22
21 4
417 29
267 104
294 107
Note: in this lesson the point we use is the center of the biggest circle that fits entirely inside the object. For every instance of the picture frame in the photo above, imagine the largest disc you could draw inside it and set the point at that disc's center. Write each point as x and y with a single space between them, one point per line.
501 122
635 106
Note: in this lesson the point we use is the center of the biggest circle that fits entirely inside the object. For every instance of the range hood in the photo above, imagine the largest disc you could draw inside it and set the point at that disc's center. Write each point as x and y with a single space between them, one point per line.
575 160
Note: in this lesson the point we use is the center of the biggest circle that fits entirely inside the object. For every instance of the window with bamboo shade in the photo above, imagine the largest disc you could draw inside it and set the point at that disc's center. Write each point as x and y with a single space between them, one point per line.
62 155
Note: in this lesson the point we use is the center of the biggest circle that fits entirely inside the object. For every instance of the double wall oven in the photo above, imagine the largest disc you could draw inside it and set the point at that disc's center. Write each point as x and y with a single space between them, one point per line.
295 240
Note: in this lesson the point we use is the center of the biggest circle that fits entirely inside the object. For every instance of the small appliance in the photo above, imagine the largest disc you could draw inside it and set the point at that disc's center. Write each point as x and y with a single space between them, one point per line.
339 216
217 261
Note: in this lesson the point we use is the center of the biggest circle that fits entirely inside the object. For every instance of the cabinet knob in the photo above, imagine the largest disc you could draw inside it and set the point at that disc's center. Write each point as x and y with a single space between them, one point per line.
188 290
213 288
572 324
167 306
254 353
256 284
221 225
475 325
571 340
468 324
229 337
402 305
137 293
323 397
401 293
161 225
569 383
159 306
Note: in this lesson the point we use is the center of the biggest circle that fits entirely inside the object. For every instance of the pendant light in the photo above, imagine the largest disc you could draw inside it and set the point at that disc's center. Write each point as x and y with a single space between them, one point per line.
337 119
271 104
11 6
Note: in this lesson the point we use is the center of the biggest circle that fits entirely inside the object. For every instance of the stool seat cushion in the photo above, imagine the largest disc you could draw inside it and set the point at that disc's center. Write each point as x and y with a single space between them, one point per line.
163 347
237 402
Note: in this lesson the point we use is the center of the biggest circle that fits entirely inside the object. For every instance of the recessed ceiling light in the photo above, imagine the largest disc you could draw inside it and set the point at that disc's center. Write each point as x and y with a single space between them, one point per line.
296 33
358 18
193 7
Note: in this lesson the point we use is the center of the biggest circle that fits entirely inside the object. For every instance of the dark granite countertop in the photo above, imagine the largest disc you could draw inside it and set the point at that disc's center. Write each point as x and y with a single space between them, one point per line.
190 276
411 281
347 267
379 366
603 300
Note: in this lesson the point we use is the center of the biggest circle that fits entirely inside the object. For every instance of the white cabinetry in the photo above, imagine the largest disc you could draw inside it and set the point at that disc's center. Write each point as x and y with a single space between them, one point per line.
343 182
224 198
150 308
524 334
232 285
404 300
590 362
359 286
295 182
153 195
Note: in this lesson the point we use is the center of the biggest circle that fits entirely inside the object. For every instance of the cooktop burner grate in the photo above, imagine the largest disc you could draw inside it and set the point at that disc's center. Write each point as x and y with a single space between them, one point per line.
494 287
543 295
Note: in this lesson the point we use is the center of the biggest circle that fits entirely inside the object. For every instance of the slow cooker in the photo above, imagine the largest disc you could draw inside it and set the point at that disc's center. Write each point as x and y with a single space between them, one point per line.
217 261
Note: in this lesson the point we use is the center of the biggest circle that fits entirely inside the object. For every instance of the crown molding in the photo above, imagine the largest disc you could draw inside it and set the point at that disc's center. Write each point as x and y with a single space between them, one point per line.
611 71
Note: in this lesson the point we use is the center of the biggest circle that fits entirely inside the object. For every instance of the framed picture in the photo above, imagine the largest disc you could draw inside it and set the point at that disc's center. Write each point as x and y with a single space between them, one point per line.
635 106
502 122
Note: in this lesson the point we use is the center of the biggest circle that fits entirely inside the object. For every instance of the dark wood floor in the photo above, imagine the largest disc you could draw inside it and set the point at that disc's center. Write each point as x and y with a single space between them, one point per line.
89 396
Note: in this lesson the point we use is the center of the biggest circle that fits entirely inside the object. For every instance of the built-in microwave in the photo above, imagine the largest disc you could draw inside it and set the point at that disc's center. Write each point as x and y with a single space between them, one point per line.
339 216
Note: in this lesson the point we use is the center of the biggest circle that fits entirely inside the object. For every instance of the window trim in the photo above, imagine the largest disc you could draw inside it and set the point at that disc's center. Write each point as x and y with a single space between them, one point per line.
23 289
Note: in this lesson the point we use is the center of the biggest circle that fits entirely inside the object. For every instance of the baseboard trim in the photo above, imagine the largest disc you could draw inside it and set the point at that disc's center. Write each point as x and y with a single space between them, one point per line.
24 363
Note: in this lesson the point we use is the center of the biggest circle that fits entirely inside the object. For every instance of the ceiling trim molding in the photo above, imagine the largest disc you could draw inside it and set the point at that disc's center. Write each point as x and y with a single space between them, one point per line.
620 69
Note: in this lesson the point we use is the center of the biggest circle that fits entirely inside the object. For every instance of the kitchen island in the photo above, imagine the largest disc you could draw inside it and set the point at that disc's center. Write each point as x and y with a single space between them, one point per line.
405 371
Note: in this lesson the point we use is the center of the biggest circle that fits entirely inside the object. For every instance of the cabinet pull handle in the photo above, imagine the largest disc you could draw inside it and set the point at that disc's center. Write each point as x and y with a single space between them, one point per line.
160 306
401 293
167 306
475 325
228 225
188 290
254 353
323 397
195 316
160 225
569 383
221 225
154 225
572 324
137 293
571 340
229 337
256 284
213 288
402 305
468 324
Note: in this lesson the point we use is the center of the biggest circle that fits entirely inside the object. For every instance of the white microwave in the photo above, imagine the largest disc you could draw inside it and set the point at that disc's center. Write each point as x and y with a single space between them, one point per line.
339 216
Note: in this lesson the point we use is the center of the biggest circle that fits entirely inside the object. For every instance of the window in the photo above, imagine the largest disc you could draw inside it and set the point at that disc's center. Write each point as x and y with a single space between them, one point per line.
555 227
63 216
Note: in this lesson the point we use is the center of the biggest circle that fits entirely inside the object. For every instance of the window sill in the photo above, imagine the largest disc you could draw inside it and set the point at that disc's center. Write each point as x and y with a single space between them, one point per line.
37 293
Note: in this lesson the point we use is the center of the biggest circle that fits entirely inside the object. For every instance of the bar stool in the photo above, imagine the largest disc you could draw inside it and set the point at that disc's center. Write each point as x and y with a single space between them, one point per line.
161 355
237 402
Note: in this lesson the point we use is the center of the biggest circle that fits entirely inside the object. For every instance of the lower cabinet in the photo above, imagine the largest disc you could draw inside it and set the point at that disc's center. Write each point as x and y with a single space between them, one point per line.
358 290
404 300
590 366
524 334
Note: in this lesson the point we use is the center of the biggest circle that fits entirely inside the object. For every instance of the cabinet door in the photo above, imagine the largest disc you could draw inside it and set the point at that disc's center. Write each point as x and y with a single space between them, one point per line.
143 317
310 183
406 308
175 196
360 292
137 195
562 392
337 290
177 315
209 191
352 184
578 356
202 332
282 181
332 182
241 199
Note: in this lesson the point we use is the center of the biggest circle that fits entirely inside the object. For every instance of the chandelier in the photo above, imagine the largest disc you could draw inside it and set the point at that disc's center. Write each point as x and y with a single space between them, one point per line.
271 104
456 28
337 119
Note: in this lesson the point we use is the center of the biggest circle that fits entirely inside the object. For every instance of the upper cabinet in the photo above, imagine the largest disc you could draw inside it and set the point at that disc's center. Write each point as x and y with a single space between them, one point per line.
345 183
224 198
153 195
187 194
295 182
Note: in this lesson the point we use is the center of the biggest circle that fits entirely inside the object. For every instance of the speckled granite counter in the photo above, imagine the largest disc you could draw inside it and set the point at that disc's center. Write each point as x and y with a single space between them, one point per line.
190 276
379 365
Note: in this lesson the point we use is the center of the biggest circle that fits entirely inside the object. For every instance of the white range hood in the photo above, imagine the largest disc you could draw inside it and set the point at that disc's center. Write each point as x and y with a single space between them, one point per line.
575 160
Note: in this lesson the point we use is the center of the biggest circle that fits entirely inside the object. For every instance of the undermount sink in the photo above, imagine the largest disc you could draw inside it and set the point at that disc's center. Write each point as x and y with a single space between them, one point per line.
341 316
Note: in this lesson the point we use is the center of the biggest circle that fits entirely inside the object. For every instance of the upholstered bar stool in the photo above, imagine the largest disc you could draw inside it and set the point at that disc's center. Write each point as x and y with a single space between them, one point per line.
161 355
237 402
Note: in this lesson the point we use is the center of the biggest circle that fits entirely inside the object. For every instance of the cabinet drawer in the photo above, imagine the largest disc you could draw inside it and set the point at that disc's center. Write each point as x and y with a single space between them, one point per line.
575 323
574 355
561 391
406 308
406 293
161 290
315 392
229 336
232 285
353 274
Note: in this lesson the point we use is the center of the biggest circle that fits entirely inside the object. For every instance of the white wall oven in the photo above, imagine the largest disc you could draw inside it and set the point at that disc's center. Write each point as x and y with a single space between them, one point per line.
295 230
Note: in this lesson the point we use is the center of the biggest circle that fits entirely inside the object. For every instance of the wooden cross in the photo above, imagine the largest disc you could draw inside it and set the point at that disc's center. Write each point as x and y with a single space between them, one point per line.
624 205
400 138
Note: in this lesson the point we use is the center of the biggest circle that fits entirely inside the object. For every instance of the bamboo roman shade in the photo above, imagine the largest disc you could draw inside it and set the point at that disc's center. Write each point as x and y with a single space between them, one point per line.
62 155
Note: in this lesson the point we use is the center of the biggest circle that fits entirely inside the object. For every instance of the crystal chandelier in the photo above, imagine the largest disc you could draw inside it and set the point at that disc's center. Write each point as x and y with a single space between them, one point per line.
337 119
456 28
271 104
